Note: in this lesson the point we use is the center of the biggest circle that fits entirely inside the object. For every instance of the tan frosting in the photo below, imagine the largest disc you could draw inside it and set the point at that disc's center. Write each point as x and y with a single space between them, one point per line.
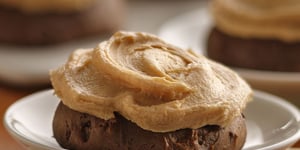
41 6
279 19
158 86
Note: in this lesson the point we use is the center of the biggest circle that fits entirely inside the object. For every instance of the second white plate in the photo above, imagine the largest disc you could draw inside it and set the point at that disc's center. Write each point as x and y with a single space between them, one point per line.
30 65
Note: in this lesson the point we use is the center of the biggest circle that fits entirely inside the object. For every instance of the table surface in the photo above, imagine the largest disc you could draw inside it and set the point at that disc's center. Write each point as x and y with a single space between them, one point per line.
137 10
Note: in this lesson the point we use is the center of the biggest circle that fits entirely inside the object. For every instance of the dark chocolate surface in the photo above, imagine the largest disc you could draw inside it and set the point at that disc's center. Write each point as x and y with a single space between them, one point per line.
75 130
261 54
39 29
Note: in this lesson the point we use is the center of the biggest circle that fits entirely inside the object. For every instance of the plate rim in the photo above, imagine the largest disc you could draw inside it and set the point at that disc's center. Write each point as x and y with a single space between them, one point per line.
284 104
13 133
38 74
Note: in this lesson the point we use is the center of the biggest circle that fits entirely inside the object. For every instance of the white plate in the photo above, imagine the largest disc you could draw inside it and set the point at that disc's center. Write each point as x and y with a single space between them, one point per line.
272 123
30 65
190 30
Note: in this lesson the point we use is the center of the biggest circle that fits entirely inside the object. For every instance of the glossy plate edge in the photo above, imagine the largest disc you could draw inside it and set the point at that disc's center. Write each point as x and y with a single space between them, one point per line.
19 137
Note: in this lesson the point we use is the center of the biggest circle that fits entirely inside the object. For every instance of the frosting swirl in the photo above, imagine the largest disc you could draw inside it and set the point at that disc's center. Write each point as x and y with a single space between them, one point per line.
275 19
156 85
42 6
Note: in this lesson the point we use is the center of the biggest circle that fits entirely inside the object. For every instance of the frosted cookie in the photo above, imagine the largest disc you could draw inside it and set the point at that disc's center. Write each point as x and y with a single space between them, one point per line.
135 91
255 34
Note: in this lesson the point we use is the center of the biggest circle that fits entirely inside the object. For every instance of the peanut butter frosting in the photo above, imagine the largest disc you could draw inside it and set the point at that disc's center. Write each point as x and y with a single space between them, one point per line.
42 6
156 85
275 19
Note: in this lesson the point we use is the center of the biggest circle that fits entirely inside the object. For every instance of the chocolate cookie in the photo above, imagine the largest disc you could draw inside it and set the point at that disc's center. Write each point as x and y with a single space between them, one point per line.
75 130
16 27
253 53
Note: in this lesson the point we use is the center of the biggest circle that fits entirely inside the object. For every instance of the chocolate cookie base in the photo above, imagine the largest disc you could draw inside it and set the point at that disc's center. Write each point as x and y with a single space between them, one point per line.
16 27
261 54
75 130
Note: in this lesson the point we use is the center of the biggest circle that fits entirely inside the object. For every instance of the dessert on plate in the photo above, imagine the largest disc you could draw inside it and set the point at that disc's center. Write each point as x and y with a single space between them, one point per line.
38 22
135 91
256 34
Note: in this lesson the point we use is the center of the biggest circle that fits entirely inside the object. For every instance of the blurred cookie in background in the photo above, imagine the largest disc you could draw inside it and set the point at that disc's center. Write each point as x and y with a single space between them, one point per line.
32 22
254 34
